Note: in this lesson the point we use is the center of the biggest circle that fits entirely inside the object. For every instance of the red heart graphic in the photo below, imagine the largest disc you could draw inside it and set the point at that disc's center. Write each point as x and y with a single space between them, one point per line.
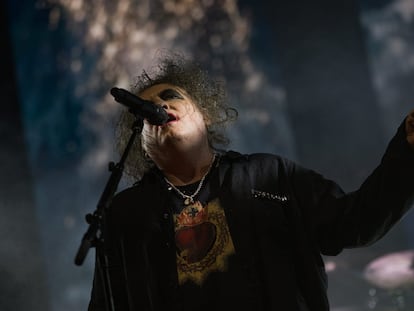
195 242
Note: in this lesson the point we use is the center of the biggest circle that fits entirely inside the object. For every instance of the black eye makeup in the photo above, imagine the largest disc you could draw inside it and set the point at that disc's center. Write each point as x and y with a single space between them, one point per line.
170 94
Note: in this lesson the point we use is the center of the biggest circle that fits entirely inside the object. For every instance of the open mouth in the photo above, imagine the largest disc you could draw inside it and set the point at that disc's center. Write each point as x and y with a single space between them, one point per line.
171 118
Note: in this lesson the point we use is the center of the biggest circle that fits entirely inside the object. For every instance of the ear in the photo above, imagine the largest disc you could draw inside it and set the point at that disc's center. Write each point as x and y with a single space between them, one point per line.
207 120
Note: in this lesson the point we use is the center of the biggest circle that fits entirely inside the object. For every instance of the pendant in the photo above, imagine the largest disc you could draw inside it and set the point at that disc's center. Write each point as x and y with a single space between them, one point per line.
188 201
192 210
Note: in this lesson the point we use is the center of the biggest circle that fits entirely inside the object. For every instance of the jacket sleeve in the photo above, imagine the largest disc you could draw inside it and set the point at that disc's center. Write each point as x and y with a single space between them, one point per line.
338 220
112 266
116 277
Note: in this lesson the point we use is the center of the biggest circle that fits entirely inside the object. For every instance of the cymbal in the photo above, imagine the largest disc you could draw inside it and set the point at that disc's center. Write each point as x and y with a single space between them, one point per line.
391 271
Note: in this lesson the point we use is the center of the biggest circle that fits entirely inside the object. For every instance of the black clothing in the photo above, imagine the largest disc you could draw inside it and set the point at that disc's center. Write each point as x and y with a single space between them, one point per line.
281 217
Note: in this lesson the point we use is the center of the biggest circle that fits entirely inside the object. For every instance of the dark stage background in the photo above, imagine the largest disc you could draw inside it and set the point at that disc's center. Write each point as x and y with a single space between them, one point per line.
325 83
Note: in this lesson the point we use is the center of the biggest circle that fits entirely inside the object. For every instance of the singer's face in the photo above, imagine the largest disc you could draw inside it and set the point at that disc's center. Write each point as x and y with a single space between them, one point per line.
186 125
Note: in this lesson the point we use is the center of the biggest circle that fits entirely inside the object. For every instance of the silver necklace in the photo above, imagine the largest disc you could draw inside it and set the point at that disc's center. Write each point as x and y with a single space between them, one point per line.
189 199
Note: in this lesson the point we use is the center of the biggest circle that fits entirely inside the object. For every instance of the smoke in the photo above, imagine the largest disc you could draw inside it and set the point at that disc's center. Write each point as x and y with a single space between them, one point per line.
70 134
390 42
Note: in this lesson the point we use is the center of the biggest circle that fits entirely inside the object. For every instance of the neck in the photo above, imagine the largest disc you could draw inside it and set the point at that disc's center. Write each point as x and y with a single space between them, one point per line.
183 167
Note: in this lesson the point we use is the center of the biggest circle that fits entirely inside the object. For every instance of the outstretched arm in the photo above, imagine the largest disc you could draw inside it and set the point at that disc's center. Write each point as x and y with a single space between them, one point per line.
338 220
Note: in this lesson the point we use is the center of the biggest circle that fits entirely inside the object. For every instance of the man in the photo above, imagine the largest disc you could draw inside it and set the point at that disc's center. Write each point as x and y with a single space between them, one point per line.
209 230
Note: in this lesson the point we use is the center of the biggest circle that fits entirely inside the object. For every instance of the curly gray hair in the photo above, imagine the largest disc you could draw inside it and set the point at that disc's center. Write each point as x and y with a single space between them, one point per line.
207 94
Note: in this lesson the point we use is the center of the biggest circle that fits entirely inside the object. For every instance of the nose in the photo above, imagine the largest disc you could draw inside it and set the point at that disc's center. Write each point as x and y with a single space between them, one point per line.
163 105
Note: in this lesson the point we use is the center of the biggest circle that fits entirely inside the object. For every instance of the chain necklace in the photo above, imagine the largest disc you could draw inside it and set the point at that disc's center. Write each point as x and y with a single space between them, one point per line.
189 199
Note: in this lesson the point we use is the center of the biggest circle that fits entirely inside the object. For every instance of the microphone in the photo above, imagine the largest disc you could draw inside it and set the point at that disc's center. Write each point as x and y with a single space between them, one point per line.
154 114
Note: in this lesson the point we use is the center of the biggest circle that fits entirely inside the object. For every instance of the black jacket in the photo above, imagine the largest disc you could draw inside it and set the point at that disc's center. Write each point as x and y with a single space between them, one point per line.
281 217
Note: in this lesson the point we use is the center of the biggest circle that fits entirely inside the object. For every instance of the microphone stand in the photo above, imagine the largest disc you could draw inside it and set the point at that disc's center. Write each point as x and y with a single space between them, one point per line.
95 235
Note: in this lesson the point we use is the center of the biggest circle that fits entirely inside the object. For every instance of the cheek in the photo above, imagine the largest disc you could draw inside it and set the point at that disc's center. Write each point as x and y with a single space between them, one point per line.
145 129
200 122
147 136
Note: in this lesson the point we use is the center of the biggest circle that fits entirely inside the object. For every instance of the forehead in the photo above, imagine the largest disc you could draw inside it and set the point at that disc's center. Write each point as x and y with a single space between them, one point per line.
158 88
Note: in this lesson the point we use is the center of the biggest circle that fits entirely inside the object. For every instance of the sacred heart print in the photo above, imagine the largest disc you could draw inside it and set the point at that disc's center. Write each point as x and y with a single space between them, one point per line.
194 242
203 241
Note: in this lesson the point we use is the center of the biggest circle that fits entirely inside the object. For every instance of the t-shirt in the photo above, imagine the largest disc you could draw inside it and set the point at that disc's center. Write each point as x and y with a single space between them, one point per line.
210 274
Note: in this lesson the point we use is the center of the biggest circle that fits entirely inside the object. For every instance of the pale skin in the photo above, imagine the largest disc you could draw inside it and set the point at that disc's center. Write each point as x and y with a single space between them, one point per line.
180 148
